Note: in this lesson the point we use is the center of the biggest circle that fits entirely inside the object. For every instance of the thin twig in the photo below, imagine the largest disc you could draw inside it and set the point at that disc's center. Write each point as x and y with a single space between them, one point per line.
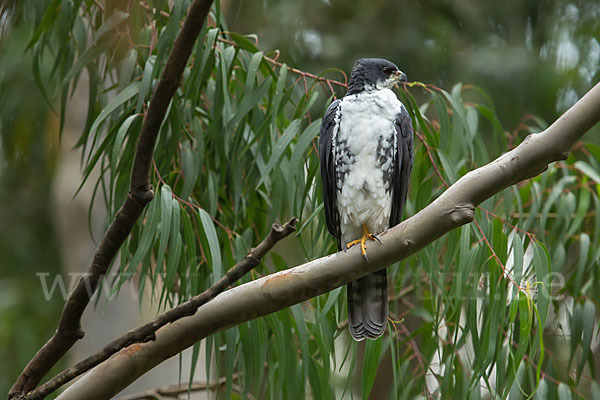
175 390
413 345
146 332
140 193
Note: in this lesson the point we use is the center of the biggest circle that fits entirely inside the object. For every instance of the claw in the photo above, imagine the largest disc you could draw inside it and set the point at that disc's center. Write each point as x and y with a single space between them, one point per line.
363 248
366 236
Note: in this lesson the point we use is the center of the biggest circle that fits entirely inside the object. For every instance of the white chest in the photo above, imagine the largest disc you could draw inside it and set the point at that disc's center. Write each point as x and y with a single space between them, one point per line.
367 118
363 149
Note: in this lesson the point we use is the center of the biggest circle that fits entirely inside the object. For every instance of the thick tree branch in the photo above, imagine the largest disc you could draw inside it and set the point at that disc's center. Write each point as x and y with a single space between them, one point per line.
69 328
146 332
455 207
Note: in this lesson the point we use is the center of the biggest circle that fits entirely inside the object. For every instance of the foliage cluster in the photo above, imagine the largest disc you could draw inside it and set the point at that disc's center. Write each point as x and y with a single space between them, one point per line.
484 309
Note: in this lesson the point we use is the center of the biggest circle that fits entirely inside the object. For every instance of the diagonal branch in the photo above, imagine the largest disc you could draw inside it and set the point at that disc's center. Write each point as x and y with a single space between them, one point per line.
146 332
174 391
455 207
141 193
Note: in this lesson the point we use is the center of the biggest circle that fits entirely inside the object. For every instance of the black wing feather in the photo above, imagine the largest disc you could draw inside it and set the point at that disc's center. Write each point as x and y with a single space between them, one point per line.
328 170
403 163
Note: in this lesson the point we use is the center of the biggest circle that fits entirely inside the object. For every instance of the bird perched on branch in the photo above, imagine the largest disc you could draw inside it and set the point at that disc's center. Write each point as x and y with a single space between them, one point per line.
366 150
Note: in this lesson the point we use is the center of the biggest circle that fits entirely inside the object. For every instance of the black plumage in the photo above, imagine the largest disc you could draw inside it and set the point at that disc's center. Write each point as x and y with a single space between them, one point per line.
367 297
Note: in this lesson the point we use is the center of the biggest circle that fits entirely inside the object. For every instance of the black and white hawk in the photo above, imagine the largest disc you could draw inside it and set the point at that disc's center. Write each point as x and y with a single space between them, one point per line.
366 150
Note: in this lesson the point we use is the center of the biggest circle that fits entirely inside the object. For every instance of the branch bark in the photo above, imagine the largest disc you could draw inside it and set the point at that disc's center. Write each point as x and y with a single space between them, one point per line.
141 193
455 207
147 332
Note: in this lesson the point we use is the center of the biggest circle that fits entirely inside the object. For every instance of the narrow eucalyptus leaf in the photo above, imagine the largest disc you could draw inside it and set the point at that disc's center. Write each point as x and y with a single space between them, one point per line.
213 243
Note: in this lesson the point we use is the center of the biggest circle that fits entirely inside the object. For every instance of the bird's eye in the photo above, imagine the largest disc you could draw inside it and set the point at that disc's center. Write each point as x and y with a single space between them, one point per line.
387 70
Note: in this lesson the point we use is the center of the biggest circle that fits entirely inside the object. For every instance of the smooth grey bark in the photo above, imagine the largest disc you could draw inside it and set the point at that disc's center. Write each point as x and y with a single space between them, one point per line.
455 207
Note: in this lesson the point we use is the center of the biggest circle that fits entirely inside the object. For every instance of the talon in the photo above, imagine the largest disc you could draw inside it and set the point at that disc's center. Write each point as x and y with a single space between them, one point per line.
366 236
352 243
363 248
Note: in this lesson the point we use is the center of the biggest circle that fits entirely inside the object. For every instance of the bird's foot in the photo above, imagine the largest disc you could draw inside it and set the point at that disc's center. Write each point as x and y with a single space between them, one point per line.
366 236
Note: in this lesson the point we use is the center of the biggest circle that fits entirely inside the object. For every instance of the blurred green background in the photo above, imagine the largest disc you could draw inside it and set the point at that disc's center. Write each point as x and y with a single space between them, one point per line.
531 57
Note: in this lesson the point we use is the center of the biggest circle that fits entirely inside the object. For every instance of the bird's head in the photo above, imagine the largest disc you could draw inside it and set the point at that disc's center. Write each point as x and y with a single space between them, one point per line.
374 74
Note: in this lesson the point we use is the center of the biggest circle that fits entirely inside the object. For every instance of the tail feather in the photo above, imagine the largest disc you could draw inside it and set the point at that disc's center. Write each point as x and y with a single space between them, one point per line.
368 306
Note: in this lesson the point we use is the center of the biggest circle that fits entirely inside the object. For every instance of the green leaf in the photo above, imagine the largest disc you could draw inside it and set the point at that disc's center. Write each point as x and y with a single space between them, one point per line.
207 52
589 318
194 363
251 72
576 324
331 299
243 42
464 266
442 111
191 168
230 355
305 139
582 207
175 250
564 393
317 211
588 170
248 103
213 195
47 21
117 145
525 320
149 232
110 24
166 208
116 102
102 42
518 253
306 103
189 240
515 390
90 54
557 191
595 391
542 390
584 249
279 91
146 84
94 157
541 262
169 33
280 146
38 78
459 110
213 243
127 66
303 339
514 309
449 168
370 365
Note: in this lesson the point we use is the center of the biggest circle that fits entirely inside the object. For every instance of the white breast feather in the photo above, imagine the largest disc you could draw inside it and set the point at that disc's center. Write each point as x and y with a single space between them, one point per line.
366 119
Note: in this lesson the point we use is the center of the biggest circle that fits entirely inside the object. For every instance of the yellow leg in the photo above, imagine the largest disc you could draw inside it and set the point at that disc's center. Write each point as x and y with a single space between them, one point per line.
366 236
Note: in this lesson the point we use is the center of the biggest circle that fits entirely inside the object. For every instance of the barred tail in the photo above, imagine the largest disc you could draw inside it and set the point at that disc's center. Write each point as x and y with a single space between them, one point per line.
368 306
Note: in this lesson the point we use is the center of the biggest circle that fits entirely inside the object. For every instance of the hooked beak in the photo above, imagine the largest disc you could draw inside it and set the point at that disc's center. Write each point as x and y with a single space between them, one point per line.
400 76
